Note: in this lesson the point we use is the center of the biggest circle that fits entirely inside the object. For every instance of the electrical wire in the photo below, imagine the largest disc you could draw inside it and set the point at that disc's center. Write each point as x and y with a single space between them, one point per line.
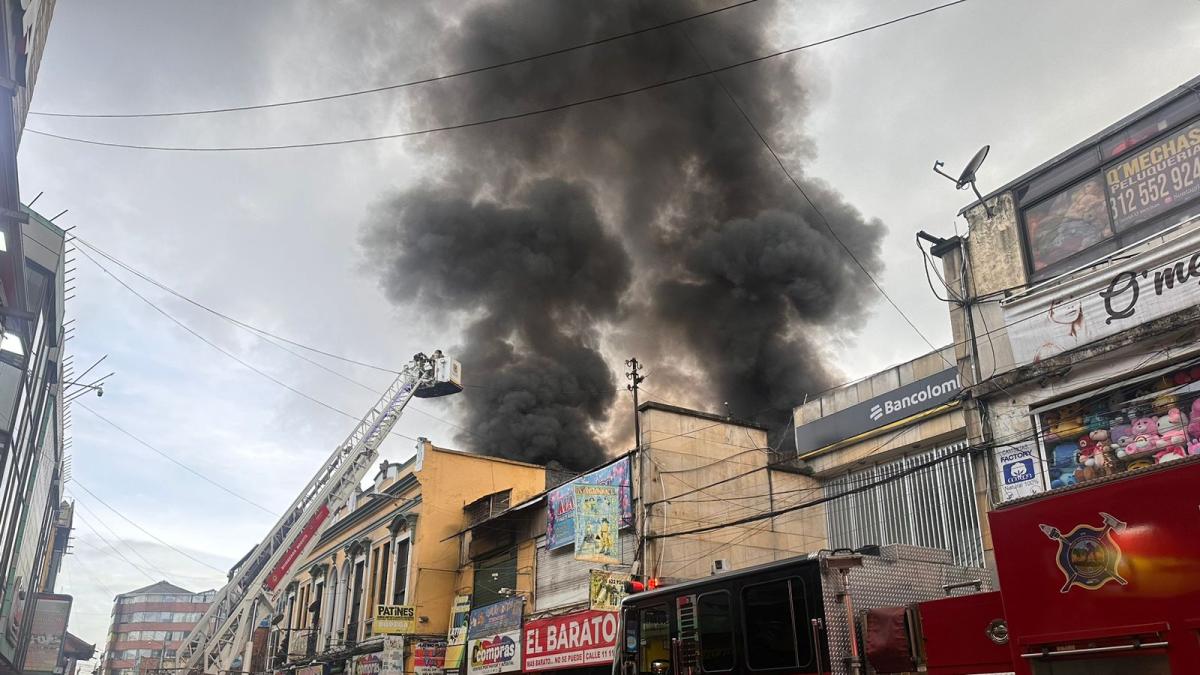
401 85
803 193
148 532
499 118
114 549
177 462
92 514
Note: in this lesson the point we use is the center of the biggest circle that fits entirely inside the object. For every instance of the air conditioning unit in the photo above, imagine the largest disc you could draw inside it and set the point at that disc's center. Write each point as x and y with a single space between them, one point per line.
720 565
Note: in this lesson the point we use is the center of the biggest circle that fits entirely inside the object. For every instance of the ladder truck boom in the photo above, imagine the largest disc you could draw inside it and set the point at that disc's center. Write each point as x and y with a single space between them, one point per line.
221 635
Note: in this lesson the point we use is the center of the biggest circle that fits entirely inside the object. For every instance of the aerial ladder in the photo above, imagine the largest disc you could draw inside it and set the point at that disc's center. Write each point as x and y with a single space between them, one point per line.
219 639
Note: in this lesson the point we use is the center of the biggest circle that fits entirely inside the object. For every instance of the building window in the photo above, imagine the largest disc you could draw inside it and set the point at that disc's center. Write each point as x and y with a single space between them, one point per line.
492 575
932 507
384 560
1069 222
400 585
486 507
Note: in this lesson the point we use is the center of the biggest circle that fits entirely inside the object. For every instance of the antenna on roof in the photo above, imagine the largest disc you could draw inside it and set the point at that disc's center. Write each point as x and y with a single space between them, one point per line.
967 177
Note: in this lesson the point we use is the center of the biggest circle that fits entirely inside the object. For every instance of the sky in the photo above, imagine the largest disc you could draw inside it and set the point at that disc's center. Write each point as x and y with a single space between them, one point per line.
274 239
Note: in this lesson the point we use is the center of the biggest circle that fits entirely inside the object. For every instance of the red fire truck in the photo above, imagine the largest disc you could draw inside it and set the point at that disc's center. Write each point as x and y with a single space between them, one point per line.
1097 579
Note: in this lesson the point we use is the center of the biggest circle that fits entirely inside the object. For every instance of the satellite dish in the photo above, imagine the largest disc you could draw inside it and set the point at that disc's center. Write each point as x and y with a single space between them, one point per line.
967 177
968 174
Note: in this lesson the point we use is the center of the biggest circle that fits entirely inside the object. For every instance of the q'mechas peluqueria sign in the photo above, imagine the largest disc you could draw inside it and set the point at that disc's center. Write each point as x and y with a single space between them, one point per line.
898 404
1162 279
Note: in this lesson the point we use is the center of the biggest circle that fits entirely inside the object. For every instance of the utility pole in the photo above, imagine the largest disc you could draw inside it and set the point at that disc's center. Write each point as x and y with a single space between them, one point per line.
635 378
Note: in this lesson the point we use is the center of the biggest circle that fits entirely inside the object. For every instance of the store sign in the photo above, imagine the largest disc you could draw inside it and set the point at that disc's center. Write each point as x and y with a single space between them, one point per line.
572 641
293 552
560 502
1147 286
456 637
50 614
494 638
898 404
1156 179
394 619
316 669
429 656
597 512
606 590
1019 471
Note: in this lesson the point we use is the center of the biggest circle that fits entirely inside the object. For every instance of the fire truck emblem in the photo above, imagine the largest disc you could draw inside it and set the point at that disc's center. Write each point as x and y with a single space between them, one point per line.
1088 556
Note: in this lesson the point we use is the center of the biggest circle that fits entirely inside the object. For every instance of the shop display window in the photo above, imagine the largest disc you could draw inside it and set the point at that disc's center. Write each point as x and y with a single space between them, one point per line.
1132 427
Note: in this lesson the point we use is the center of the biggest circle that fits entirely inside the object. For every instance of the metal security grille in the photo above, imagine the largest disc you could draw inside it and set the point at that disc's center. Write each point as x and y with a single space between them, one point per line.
933 507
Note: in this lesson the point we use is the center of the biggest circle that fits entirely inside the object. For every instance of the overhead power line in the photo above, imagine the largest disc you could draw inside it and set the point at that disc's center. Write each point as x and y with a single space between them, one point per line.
177 462
148 533
500 118
401 85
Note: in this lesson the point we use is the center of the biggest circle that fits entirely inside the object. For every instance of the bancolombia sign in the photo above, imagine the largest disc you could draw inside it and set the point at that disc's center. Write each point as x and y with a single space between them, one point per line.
1141 288
908 400
572 641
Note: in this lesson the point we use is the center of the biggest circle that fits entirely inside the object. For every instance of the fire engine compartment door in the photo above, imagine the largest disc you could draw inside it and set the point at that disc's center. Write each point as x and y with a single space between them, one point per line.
1115 663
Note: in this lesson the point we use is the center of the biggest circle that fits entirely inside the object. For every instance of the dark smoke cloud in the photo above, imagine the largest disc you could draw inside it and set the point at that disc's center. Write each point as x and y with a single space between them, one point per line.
538 276
724 277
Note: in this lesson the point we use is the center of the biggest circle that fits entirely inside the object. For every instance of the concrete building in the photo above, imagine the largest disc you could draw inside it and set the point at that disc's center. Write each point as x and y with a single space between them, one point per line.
147 622
31 391
1077 306
907 424
394 545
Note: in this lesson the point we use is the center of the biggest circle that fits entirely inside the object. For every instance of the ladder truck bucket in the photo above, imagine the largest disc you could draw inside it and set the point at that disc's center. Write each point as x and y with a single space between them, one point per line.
445 379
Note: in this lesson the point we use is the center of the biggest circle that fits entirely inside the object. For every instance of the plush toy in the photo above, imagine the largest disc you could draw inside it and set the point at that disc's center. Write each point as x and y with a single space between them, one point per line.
1069 424
1193 428
1194 448
1062 465
1171 427
1095 421
1164 403
1170 454
1121 435
1145 439
1090 459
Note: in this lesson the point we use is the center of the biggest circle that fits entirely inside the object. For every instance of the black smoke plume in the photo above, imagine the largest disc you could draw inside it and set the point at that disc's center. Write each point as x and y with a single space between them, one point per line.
655 222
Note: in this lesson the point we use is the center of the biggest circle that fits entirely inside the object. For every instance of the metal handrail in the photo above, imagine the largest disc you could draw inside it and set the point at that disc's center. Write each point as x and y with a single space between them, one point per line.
1096 650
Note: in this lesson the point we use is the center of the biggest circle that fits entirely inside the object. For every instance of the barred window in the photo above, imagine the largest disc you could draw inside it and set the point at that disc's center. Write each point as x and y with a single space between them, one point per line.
932 507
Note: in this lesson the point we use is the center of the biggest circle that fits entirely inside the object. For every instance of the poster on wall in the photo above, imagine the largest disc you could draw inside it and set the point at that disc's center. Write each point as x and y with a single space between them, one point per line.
597 514
50 614
570 641
1160 177
456 637
494 637
1018 470
606 590
368 664
429 656
560 502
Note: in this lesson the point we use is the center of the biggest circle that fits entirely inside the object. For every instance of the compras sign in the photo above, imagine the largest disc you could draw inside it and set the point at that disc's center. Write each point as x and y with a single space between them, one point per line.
571 641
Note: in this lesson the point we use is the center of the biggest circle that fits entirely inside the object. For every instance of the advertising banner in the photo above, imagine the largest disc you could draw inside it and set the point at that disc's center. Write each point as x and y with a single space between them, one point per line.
289 556
394 619
898 404
560 502
1019 471
315 669
606 590
597 513
50 614
367 664
1161 176
429 656
456 637
571 641
494 638
1139 288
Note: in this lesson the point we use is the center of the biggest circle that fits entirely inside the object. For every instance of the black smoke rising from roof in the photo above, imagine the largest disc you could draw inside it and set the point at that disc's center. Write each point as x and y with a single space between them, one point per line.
704 252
